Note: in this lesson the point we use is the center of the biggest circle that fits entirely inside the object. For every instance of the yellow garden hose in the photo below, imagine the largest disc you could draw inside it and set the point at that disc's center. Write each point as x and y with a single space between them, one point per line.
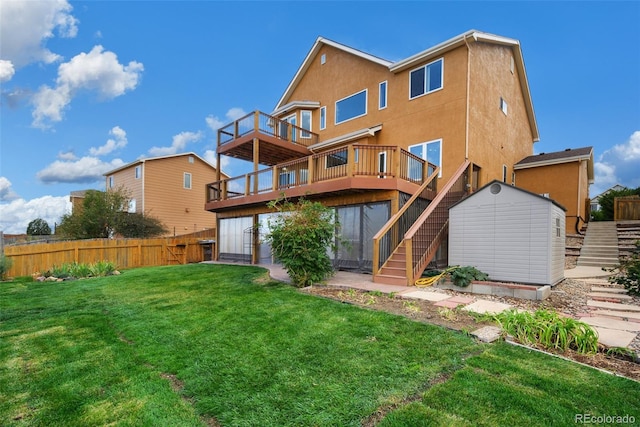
428 281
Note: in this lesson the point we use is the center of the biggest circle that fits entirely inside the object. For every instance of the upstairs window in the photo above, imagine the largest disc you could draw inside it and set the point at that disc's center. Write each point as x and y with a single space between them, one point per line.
351 107
503 106
337 158
305 123
138 172
426 79
187 180
431 151
382 96
323 118
111 182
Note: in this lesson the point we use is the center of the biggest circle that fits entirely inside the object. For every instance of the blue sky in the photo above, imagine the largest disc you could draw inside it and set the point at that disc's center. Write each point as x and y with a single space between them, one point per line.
89 86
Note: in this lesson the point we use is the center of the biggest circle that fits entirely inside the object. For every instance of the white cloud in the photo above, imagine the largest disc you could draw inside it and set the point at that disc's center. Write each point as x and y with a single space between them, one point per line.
6 192
69 155
119 140
6 70
178 145
16 215
618 165
26 25
232 114
210 156
84 170
97 71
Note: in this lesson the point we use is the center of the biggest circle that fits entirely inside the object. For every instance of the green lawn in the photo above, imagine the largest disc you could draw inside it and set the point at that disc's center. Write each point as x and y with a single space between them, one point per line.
200 344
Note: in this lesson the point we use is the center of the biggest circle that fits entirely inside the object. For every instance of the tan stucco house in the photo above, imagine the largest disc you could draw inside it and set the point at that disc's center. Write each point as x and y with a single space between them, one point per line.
563 176
169 188
390 145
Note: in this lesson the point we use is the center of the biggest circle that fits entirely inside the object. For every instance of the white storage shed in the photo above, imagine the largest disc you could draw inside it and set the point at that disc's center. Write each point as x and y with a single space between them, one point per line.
509 233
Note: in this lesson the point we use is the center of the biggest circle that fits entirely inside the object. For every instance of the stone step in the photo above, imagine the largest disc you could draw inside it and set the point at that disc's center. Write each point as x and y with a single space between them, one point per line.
626 315
609 323
608 296
609 289
613 306
613 338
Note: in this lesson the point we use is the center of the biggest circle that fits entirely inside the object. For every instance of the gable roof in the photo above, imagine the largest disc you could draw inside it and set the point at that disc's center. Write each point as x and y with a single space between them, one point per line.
470 36
510 188
143 160
558 157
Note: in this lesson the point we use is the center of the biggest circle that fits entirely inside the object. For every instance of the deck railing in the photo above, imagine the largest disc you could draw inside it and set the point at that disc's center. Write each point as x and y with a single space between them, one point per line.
424 237
268 125
349 161
392 233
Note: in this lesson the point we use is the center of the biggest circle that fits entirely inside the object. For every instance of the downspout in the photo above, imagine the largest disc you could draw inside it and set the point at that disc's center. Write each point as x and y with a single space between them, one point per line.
466 130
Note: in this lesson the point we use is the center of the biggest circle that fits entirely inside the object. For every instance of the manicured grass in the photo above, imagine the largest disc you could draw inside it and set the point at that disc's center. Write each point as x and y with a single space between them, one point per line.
187 345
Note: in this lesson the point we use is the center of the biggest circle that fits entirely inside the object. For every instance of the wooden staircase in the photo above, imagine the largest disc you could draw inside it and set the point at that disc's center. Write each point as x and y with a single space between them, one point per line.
417 245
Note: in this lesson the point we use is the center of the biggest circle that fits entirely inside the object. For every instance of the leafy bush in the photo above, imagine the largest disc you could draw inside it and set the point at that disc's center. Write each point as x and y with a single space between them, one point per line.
38 227
299 238
462 276
5 266
628 273
549 330
79 271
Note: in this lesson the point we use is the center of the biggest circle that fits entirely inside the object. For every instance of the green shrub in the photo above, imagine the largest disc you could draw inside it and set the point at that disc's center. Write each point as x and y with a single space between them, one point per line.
549 330
5 266
300 237
79 271
462 276
628 273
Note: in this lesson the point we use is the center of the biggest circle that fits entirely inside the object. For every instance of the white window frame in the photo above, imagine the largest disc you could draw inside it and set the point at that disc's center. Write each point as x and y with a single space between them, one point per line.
366 101
138 171
425 151
382 95
191 159
306 133
382 163
111 181
503 106
187 182
132 206
323 118
426 78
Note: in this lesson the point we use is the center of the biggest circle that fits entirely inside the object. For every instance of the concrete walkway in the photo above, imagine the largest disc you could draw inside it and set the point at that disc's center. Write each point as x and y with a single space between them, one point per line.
611 314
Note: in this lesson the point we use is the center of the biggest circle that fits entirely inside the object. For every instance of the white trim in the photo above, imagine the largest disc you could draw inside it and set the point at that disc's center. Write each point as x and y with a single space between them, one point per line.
184 180
346 137
366 106
323 113
386 94
307 105
424 152
303 129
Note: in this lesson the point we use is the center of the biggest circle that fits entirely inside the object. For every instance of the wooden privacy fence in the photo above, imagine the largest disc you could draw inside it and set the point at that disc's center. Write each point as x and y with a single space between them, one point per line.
124 253
627 207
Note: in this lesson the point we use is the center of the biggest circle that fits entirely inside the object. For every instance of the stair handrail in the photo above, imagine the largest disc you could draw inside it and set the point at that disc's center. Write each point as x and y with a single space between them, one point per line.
415 262
431 183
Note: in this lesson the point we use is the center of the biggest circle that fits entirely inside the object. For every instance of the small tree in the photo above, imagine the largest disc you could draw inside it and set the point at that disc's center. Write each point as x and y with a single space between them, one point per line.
38 227
5 266
137 225
98 216
607 202
300 237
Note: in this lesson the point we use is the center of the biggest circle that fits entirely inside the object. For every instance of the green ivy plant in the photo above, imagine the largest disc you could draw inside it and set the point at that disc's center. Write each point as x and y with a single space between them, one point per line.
628 272
462 276
300 237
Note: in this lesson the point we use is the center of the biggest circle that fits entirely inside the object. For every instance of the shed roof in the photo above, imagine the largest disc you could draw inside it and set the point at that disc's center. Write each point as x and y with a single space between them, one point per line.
557 157
510 187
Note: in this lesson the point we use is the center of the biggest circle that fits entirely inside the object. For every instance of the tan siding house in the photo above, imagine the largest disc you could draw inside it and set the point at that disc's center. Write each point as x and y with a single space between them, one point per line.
169 188
383 142
563 176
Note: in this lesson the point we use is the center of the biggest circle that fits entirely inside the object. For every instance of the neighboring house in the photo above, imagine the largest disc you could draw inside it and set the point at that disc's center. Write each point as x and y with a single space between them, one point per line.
169 188
563 176
595 201
77 200
372 138
486 231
